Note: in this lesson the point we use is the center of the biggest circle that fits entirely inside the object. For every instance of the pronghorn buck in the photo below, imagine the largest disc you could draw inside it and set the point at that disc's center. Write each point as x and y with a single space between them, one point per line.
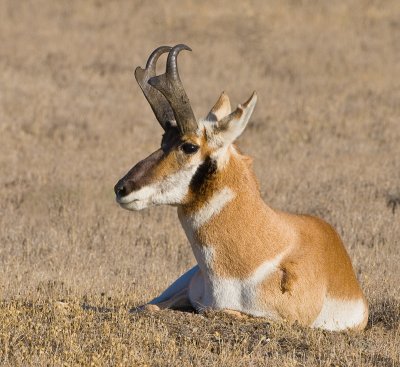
251 259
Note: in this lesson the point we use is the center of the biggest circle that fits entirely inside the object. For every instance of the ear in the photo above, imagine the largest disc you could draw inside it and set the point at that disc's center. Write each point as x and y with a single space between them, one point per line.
221 108
230 127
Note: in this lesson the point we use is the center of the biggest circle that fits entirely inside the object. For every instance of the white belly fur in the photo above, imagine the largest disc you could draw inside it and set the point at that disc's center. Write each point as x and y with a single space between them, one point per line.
242 295
227 294
208 290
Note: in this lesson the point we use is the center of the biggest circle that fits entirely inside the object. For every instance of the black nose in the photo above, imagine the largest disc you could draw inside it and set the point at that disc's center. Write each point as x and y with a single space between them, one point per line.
122 188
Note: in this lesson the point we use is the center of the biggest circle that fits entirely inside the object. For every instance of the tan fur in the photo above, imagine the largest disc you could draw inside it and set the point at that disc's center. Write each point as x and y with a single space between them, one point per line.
247 232
231 260
170 164
306 274
173 161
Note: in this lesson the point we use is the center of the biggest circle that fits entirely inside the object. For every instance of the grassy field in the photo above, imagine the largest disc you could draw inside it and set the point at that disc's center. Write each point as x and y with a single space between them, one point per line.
325 138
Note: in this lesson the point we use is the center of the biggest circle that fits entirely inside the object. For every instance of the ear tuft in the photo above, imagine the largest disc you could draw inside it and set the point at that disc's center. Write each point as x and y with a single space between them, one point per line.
221 108
230 127
251 101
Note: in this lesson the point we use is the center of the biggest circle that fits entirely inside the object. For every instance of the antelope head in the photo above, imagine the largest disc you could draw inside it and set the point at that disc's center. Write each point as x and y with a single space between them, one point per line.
189 149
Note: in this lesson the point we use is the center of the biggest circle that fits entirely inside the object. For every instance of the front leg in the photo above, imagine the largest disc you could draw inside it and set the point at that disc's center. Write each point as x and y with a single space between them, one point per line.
178 301
175 296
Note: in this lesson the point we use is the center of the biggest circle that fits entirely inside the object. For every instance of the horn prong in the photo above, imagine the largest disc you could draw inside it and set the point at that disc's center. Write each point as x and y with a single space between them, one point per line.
155 55
157 101
170 85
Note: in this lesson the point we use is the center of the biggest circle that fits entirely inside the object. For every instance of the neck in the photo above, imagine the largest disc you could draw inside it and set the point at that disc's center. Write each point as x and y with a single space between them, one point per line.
226 220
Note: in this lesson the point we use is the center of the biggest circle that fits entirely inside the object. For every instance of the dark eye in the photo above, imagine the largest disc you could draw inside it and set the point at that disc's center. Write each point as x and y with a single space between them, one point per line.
189 148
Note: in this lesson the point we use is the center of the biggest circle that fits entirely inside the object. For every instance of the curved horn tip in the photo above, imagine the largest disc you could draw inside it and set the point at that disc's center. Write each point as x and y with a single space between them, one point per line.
181 46
172 66
176 50
155 55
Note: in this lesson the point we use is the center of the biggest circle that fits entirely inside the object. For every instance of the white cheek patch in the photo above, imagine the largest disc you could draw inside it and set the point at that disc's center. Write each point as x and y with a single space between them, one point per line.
212 207
171 190
139 195
339 314
136 205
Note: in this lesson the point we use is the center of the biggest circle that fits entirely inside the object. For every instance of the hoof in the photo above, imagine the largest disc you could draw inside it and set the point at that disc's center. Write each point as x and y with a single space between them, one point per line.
151 308
235 314
145 308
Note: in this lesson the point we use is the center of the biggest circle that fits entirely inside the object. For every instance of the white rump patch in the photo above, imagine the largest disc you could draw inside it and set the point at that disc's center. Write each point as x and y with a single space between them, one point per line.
339 314
211 208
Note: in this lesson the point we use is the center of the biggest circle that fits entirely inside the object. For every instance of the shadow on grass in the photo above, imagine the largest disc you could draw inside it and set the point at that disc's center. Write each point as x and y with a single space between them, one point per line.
99 309
385 313
134 310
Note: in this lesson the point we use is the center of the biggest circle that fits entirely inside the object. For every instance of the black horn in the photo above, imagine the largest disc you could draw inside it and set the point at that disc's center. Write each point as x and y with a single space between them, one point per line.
170 85
157 101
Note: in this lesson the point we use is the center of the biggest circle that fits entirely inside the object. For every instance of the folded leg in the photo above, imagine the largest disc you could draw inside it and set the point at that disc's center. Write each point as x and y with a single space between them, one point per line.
176 295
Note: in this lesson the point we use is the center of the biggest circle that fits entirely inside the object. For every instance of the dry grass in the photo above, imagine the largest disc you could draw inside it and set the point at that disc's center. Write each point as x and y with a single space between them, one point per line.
325 137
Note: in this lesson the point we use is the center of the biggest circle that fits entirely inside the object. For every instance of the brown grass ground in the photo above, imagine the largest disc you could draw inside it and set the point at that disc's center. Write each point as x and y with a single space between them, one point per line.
325 137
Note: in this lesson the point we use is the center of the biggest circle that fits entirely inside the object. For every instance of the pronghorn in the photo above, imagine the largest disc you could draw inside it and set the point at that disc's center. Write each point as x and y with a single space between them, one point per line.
251 259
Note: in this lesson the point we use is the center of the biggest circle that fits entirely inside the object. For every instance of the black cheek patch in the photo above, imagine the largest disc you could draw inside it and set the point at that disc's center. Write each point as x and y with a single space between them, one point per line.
203 174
